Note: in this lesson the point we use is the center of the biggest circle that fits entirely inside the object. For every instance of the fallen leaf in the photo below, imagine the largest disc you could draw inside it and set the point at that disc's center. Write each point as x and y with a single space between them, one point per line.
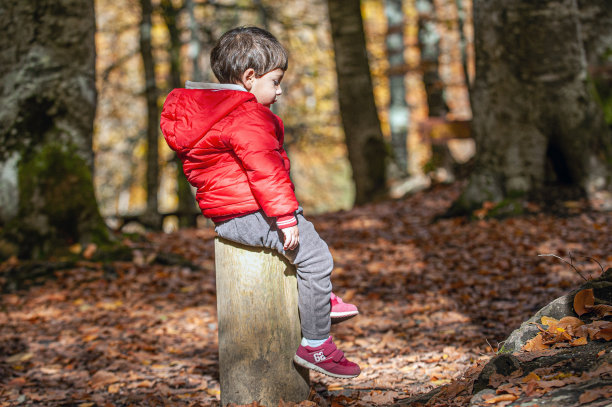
90 250
605 332
532 389
579 341
103 378
510 388
110 306
531 377
19 357
114 388
582 300
146 383
601 310
549 321
17 382
595 327
549 384
567 322
454 389
501 397
379 397
594 394
535 343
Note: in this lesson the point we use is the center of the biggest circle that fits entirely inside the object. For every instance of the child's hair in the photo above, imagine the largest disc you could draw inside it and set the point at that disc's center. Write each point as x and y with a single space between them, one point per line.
246 47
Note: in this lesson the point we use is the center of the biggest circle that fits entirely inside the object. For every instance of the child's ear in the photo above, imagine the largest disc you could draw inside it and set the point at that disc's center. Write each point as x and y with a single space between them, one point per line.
247 78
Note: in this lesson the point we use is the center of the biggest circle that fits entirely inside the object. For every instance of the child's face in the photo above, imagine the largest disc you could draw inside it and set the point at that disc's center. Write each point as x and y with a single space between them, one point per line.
266 88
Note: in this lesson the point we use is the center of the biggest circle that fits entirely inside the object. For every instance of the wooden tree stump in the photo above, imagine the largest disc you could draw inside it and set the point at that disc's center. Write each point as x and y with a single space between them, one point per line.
259 326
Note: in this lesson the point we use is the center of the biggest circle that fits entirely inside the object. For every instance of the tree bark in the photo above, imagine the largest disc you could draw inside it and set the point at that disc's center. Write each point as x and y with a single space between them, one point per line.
152 216
195 48
186 201
596 32
463 41
367 151
429 45
596 22
537 127
259 327
399 114
48 99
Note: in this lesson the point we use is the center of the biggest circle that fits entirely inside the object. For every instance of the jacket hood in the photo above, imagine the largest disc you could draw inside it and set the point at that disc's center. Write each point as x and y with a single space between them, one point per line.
189 113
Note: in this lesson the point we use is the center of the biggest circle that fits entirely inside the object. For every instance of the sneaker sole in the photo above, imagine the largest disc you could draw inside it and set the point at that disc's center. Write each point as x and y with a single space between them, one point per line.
337 317
343 314
307 364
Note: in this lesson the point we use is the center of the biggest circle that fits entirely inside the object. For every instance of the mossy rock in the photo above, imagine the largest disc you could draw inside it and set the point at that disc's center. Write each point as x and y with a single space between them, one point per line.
557 309
57 204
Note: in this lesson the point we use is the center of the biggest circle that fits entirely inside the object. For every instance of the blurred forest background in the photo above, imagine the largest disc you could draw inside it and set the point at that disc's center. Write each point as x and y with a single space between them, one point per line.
436 45
382 98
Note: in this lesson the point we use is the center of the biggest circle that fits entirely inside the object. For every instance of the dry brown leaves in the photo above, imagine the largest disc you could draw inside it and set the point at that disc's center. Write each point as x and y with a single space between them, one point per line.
435 300
571 331
541 381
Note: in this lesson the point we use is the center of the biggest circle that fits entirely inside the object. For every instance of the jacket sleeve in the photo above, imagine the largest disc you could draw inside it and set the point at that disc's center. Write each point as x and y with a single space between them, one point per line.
256 139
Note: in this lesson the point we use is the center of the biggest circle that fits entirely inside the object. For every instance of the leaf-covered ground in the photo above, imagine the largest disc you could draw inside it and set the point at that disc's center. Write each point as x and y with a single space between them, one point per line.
436 299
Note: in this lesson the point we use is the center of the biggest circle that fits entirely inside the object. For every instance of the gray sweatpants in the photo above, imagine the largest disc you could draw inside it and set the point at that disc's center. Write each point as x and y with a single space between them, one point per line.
312 260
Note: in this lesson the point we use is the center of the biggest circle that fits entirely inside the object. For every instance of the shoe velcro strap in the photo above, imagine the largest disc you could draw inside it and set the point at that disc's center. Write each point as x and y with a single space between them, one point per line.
337 355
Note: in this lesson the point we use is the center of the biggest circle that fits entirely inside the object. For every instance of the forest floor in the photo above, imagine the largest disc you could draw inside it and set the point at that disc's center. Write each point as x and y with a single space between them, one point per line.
436 299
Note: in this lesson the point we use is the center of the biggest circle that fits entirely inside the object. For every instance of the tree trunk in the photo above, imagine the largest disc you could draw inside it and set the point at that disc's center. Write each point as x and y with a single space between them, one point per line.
367 152
195 47
429 45
170 14
259 327
596 20
186 201
596 32
537 127
465 45
399 114
48 99
152 216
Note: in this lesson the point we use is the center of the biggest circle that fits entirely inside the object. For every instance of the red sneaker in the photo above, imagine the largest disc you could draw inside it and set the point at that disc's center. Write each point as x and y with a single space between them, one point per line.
341 311
326 359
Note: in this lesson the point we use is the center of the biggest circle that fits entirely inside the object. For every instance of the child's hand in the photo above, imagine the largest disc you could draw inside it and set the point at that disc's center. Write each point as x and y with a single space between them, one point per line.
292 237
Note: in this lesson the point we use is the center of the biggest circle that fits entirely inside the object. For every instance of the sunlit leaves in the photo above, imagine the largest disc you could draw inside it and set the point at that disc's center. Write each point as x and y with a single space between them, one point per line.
571 331
435 299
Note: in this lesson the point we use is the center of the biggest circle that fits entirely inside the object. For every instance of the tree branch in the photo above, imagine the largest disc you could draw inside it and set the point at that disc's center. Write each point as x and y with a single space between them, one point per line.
565 261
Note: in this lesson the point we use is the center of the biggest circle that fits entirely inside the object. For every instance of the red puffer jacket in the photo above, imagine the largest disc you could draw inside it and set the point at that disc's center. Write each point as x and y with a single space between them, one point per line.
232 151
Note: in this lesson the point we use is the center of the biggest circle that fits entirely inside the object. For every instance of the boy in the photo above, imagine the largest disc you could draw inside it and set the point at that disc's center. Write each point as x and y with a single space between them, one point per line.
231 146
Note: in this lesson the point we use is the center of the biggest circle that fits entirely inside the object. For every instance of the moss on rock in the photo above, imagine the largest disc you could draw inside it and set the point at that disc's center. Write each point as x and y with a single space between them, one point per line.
57 204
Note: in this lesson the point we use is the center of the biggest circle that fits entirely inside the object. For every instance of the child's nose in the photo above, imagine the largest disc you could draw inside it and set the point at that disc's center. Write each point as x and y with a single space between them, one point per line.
279 90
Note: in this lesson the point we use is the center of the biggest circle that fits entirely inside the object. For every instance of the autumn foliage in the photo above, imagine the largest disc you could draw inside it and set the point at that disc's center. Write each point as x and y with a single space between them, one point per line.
571 331
436 299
